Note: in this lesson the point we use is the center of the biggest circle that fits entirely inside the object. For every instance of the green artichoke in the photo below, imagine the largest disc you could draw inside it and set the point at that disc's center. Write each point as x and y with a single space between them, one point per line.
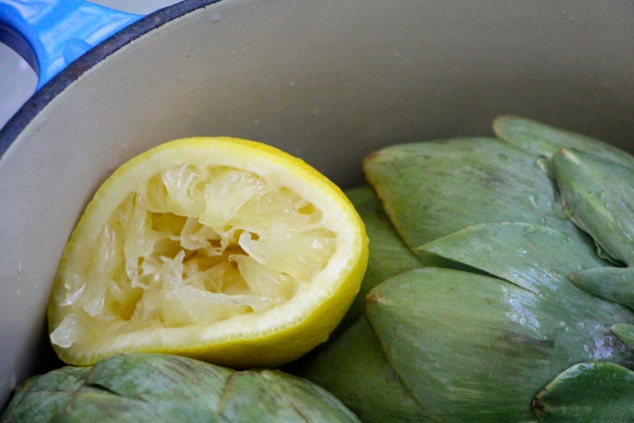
166 388
499 287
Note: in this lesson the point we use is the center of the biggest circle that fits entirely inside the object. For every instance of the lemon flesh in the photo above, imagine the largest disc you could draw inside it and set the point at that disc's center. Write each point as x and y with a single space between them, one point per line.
216 248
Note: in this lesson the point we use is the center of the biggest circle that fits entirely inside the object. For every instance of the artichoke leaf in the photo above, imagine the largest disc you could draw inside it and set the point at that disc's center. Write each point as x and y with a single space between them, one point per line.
355 369
134 387
538 259
544 140
469 347
523 326
155 378
314 402
42 399
599 195
65 378
272 396
625 332
472 347
123 388
588 392
40 406
432 189
612 283
89 404
533 257
389 255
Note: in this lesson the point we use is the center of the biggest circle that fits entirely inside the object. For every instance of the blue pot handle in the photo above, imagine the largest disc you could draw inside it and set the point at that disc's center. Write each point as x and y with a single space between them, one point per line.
50 34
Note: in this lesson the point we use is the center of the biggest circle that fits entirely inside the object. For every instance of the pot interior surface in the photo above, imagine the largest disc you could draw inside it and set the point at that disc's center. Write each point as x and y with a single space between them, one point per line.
328 81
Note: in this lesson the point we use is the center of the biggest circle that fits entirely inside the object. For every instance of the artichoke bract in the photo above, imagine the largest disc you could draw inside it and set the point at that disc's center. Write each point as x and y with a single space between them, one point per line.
511 297
133 387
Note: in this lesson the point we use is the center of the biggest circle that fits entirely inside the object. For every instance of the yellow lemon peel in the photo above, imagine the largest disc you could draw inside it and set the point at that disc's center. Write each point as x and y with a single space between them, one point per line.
221 249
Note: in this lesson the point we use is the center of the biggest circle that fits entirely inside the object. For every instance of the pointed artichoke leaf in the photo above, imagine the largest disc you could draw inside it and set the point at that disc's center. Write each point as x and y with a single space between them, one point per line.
389 255
67 378
355 369
64 395
612 283
467 346
476 348
165 388
539 259
625 332
266 396
316 404
599 195
588 392
533 257
433 189
159 377
90 404
41 398
40 406
544 140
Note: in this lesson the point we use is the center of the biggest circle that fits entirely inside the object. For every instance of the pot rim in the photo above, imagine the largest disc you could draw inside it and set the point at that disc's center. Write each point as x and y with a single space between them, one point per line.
58 84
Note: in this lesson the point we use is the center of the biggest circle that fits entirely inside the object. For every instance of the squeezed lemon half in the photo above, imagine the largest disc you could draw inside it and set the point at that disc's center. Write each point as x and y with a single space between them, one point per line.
220 249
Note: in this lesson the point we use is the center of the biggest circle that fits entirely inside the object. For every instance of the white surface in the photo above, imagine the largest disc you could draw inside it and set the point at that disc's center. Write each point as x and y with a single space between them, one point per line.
18 80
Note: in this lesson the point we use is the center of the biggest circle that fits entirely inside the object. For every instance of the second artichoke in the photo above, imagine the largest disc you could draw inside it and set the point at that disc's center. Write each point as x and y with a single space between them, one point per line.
479 319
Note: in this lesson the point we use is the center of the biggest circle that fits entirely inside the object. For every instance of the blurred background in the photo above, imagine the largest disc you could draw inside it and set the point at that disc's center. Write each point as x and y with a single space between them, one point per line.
18 80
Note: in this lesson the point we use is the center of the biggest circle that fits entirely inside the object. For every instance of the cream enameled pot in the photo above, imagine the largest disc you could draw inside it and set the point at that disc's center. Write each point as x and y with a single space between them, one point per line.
329 81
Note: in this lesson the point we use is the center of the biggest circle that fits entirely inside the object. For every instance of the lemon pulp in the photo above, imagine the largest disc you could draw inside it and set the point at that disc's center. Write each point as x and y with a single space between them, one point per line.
201 243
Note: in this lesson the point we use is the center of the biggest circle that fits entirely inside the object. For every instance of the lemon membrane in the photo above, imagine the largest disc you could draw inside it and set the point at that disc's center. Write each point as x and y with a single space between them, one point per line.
201 242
